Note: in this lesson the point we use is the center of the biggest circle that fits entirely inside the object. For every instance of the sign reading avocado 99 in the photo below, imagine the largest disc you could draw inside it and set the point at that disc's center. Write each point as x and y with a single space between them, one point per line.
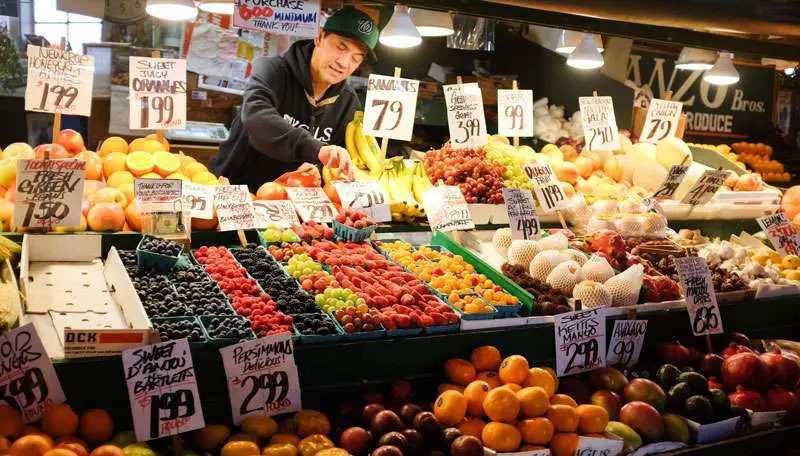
390 107
465 117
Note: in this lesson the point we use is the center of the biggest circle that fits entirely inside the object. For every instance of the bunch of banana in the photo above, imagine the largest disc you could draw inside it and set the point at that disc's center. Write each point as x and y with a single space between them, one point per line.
365 153
398 182
9 250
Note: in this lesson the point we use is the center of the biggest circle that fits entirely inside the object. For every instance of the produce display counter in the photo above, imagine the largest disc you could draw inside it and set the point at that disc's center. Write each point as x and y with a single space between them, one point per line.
774 442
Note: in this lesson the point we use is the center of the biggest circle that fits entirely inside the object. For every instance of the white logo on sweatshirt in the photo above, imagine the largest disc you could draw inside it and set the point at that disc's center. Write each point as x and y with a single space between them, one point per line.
324 135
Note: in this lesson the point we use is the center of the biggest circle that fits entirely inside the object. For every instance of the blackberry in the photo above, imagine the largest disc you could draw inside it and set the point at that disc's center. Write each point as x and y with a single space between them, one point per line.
128 257
203 298
314 325
290 298
160 246
228 328
258 263
189 275
178 329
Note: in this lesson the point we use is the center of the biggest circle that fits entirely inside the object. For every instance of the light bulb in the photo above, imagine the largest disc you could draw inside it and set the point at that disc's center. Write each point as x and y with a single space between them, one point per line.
400 32
723 72
172 10
585 56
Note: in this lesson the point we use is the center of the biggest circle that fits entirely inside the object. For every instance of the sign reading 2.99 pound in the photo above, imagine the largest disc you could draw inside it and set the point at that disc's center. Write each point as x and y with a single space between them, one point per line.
701 301
580 341
158 93
59 81
599 123
391 106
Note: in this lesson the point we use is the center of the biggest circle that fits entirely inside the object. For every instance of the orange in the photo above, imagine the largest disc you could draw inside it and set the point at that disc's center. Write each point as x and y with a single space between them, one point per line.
185 159
4 444
540 377
533 401
31 445
485 358
262 427
563 417
501 404
285 438
286 426
514 369
475 393
204 177
280 449
563 399
120 178
459 371
450 408
58 420
307 422
552 374
150 176
113 162
449 387
240 448
512 386
501 437
96 426
193 168
60 452
471 426
113 144
107 450
139 163
164 142
565 444
244 437
491 378
166 163
146 145
94 164
179 176
537 431
591 418
11 424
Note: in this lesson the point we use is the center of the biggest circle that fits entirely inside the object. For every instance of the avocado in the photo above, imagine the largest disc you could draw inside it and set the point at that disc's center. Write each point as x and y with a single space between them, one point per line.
699 409
667 375
720 402
697 382
678 395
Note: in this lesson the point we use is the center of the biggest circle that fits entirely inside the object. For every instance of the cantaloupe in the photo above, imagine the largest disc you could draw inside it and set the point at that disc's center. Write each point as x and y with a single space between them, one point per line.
565 276
554 242
501 241
575 255
597 269
653 224
545 262
625 286
521 252
592 294
671 151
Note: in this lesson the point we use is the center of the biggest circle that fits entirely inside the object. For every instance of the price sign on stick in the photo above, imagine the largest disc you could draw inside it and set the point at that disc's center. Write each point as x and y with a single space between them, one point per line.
515 113
49 192
781 232
158 93
626 343
368 196
59 81
701 301
671 183
465 116
234 208
548 191
596 446
28 381
199 199
312 204
275 212
262 377
662 120
706 187
599 124
162 389
446 209
522 216
391 106
157 194
580 341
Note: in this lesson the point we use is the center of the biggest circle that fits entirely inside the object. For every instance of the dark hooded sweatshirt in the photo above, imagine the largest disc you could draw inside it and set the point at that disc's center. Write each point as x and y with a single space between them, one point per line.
280 125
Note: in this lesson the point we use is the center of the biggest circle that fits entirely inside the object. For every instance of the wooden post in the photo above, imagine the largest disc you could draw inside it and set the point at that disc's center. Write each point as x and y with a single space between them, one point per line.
57 115
385 140
516 138
240 233
457 234
159 132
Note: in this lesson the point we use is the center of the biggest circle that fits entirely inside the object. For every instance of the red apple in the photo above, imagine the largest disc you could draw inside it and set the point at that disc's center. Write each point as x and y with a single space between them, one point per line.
55 150
71 140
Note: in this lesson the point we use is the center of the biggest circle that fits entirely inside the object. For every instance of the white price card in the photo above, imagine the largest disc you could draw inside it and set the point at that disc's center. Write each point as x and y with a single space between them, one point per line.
522 216
391 106
465 116
600 130
367 196
446 209
701 301
28 381
651 204
781 232
157 93
262 377
626 342
280 213
293 18
671 183
312 204
662 120
548 190
162 389
580 341
234 208
515 113
158 194
49 192
199 199
597 446
706 187
59 81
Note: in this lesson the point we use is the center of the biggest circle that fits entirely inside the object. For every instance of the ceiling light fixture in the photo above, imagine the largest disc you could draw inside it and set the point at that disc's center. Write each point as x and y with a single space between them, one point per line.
723 72
432 23
172 10
586 56
568 40
400 32
217 6
695 59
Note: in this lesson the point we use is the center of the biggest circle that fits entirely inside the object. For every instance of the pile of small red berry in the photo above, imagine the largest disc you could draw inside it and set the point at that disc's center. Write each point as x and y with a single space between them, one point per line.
262 314
354 219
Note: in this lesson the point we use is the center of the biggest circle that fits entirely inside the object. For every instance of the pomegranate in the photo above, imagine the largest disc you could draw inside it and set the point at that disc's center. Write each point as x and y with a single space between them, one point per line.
782 371
733 349
781 399
713 383
673 353
748 399
711 365
695 357
745 369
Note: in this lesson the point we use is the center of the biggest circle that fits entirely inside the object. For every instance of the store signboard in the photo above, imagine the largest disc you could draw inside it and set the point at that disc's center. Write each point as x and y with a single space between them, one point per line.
157 93
59 81
49 192
701 301
626 342
600 130
515 113
293 18
390 107
661 121
580 341
465 117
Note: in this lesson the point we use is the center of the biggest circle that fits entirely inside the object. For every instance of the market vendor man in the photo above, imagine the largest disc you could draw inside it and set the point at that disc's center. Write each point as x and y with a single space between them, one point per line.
296 107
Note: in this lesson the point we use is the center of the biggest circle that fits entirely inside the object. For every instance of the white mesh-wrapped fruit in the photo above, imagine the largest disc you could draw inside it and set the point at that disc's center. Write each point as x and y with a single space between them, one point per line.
653 224
625 287
521 252
565 276
544 262
629 225
501 241
575 255
600 222
554 242
592 294
597 269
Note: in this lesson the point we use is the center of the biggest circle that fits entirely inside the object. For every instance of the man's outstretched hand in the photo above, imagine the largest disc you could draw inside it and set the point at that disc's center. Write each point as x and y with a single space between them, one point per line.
337 158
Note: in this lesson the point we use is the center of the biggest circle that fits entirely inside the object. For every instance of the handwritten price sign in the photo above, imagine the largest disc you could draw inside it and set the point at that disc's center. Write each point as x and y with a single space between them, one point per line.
599 123
515 113
275 212
367 196
446 209
706 187
701 301
662 120
626 343
671 183
465 116
391 106
158 93
548 191
580 341
59 81
234 208
595 446
199 200
523 220
312 204
781 232
49 192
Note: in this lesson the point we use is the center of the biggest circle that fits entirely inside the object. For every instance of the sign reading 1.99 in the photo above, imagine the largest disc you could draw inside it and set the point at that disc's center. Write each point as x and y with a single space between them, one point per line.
59 81
599 123
158 93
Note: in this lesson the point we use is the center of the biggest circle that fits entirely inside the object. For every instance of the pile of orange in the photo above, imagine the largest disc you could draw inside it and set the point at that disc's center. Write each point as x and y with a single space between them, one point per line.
511 406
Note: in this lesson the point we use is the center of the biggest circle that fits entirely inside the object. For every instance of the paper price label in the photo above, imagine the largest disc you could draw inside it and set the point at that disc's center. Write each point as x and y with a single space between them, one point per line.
465 117
599 123
280 213
312 204
28 381
671 183
262 377
701 301
234 208
59 81
158 93
522 216
595 446
162 389
548 191
651 204
368 196
662 120
706 187
199 199
297 18
49 192
446 209
580 341
391 106
781 232
515 113
626 343
157 194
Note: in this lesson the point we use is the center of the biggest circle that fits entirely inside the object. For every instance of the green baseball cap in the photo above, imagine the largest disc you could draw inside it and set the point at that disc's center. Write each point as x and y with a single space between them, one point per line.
356 24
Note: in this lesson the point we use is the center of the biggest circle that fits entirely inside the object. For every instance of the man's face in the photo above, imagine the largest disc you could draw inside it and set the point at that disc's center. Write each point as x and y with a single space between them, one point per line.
337 57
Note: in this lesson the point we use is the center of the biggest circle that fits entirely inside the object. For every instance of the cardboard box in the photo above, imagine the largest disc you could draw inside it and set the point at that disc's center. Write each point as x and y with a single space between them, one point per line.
80 305
713 432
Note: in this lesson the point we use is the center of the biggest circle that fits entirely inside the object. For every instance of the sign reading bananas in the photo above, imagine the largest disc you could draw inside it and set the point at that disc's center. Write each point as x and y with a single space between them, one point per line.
600 130
465 116
391 106
447 209
367 196
662 120
515 113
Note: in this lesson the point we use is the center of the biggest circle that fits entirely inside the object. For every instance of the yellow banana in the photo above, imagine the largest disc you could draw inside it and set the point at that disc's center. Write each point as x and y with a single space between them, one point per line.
367 147
360 174
352 149
419 181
